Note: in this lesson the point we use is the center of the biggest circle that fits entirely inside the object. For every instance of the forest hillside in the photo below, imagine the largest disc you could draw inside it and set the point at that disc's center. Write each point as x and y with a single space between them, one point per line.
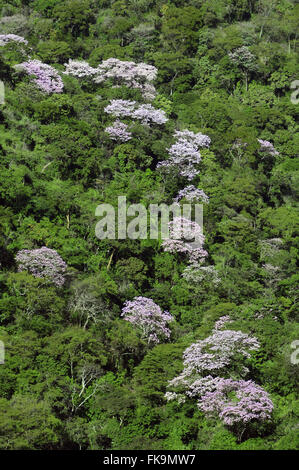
141 342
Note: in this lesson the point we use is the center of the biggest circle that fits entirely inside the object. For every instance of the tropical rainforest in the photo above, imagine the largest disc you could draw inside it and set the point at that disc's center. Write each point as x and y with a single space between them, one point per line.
146 343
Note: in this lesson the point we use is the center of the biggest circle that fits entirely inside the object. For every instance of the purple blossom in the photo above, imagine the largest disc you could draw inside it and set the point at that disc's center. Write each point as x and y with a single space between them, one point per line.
118 131
149 318
139 76
191 193
267 147
146 113
120 108
126 70
45 77
233 401
237 402
217 352
181 232
184 154
222 321
79 68
199 139
133 75
44 263
7 38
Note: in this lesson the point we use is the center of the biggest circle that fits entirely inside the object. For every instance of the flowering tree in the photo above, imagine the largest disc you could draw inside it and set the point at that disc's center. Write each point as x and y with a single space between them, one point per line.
120 108
79 69
236 402
222 321
218 351
184 153
199 139
139 76
118 131
245 60
148 317
214 355
126 70
191 193
182 231
45 77
44 263
267 147
146 113
7 38
133 75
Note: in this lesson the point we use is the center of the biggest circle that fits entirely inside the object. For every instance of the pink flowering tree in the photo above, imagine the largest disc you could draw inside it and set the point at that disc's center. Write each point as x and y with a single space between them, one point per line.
45 77
12 38
119 132
44 263
138 76
186 237
121 108
220 351
79 69
148 318
267 148
222 322
145 113
184 154
199 139
192 194
237 403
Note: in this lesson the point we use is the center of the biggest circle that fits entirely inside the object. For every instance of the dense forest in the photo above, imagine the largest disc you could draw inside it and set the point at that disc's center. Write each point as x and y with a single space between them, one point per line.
149 344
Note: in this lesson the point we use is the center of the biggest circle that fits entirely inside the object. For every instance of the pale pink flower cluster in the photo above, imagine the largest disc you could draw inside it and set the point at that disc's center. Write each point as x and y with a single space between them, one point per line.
237 402
45 77
79 69
267 147
145 113
7 38
191 193
186 237
138 76
232 401
149 318
184 154
218 350
119 131
44 263
222 321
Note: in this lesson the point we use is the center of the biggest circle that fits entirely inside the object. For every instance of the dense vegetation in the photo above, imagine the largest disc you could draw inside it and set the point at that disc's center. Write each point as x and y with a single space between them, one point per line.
84 366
